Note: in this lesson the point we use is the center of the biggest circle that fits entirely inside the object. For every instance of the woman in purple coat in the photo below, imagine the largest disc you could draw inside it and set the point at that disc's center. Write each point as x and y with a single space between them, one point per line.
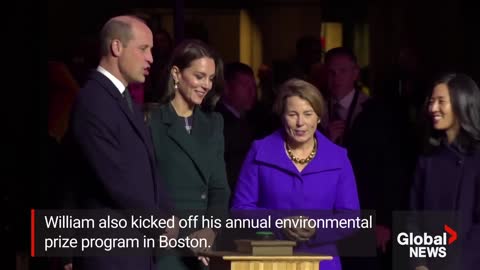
297 167
447 178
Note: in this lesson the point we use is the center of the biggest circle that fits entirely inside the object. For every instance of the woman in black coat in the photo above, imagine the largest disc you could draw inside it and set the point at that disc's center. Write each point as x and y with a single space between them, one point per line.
447 178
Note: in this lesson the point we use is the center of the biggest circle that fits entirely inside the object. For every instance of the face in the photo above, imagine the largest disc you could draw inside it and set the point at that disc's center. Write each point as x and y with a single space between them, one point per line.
342 74
300 120
195 81
135 57
241 92
440 109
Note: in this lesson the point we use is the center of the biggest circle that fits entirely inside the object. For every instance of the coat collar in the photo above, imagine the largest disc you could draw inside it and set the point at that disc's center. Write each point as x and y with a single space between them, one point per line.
192 144
272 152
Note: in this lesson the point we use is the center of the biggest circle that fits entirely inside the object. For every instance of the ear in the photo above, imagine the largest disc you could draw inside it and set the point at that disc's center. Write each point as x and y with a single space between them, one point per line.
175 72
116 47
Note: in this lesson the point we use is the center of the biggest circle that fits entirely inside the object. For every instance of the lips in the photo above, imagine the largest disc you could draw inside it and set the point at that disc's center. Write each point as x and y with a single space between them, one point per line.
146 71
200 93
299 132
436 118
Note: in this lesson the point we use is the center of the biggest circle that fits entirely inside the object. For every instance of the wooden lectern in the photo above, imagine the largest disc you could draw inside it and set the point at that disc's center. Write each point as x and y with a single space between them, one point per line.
275 262
240 261
264 255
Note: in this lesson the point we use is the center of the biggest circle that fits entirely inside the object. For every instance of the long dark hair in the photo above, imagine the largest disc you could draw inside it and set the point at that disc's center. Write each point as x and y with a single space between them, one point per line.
183 55
465 99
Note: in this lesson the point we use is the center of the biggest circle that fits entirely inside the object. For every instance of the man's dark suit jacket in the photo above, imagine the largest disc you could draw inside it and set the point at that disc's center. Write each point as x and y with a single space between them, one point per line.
113 161
239 135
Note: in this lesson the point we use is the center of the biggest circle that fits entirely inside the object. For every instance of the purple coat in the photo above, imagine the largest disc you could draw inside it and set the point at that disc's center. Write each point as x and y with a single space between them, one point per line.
269 180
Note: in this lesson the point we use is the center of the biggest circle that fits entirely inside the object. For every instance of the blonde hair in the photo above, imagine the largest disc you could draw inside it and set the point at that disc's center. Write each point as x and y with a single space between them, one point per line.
302 89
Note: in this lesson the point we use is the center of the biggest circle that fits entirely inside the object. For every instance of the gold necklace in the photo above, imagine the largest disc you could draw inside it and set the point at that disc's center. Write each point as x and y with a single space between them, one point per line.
302 160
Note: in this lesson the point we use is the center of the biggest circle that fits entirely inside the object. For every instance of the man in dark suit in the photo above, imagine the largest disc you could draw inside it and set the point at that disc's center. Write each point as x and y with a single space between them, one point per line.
374 135
239 98
113 152
345 98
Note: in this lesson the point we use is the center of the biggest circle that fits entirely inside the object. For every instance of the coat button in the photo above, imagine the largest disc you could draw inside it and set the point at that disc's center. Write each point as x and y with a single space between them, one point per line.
459 162
203 196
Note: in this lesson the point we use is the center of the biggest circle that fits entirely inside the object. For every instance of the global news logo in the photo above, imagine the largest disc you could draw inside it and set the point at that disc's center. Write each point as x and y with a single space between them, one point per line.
428 246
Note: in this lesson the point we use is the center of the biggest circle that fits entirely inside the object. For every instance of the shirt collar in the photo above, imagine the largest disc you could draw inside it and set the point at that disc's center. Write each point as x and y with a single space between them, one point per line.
112 78
232 110
347 100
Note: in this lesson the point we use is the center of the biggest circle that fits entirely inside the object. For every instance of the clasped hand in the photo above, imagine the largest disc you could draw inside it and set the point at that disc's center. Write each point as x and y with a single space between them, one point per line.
299 233
207 234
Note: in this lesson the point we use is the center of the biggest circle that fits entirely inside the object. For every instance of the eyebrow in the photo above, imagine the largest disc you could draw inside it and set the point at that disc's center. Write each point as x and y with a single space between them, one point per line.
293 111
204 74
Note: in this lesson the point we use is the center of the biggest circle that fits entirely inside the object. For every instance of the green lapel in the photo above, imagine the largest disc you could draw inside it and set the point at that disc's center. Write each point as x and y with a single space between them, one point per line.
194 144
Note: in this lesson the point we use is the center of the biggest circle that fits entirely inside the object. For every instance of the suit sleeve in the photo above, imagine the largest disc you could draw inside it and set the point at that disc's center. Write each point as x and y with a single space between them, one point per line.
218 189
101 149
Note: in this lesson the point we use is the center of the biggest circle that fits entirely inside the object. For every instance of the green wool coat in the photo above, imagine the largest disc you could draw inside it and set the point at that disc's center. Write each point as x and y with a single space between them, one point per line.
191 166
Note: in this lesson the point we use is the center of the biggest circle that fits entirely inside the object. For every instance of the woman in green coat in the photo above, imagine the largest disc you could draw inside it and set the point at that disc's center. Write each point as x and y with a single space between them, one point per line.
189 143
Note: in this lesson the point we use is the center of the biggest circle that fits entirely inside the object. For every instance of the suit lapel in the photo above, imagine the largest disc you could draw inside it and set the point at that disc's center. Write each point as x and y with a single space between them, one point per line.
192 144
135 119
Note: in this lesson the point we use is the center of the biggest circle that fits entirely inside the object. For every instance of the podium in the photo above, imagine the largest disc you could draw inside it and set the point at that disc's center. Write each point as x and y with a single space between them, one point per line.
241 261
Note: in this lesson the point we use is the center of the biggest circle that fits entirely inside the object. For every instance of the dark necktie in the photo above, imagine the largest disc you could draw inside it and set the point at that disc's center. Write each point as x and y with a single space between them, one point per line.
128 98
336 115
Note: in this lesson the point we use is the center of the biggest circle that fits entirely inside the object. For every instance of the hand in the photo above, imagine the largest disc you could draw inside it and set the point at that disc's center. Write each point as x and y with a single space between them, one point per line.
383 235
335 130
204 260
172 233
422 267
299 234
67 266
207 234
